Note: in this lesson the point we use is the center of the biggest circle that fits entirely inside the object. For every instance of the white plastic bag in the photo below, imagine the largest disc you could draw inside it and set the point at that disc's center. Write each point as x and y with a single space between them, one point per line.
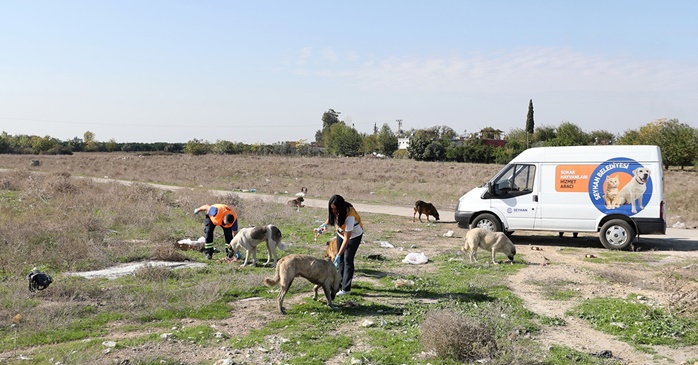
416 258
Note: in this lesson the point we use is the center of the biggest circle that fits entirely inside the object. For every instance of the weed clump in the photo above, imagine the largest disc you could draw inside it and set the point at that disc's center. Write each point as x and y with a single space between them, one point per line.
452 335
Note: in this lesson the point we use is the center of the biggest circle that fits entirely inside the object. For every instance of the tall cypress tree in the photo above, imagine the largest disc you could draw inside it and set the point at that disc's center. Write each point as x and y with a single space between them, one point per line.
529 121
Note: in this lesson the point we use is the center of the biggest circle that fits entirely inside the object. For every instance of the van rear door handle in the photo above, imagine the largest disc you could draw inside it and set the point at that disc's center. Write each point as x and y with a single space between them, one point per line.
535 198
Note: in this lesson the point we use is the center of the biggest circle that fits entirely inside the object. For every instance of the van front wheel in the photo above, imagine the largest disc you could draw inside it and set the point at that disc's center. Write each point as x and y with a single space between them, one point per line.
616 234
488 222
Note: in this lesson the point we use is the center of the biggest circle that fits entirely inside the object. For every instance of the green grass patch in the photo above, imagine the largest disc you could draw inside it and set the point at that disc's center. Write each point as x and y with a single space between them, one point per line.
637 323
562 355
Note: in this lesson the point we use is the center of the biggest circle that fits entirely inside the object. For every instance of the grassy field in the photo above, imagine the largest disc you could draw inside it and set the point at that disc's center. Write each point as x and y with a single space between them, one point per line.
448 311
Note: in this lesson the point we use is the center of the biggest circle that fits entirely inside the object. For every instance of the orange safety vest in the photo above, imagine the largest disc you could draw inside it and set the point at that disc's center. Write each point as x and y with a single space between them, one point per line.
357 220
223 210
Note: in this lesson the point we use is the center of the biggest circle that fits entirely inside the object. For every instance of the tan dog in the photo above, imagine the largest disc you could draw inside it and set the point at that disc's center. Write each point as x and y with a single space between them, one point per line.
425 208
248 239
297 202
320 272
332 249
611 197
490 241
632 191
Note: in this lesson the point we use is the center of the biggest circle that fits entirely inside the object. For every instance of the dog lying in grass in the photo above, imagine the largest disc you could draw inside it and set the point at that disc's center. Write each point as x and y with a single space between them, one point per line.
320 272
487 240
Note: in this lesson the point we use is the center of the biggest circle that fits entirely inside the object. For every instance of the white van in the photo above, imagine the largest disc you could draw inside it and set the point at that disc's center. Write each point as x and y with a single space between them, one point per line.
617 191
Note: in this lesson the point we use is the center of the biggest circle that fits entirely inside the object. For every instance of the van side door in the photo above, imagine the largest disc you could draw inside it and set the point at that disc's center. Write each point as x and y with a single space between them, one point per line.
512 193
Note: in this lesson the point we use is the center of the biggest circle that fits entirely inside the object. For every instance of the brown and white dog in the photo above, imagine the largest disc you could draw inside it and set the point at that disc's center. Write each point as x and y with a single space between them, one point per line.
248 238
425 208
320 272
297 202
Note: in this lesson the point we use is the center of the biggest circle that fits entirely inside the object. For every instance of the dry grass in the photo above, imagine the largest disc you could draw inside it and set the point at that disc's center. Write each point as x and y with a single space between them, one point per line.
452 335
386 181
679 288
69 224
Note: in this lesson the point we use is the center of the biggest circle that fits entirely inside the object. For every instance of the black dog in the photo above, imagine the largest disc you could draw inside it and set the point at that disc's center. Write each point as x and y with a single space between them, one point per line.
38 280
423 207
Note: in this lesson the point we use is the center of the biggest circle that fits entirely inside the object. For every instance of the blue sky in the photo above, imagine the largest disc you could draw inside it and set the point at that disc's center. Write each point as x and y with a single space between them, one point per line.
266 71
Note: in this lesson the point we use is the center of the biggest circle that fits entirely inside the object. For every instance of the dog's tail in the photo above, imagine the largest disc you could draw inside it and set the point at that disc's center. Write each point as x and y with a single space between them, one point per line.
275 280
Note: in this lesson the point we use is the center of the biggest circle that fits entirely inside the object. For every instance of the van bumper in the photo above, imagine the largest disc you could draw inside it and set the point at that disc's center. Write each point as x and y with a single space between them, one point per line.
650 225
463 219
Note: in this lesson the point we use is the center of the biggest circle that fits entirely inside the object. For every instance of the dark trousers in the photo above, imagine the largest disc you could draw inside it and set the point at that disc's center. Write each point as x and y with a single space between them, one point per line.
208 232
346 263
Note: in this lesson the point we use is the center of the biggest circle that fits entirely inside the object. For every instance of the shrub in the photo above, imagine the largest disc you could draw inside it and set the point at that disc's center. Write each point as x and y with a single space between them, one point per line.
451 335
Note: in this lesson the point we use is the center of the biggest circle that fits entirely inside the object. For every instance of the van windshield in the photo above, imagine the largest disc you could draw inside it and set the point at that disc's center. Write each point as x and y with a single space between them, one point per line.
514 179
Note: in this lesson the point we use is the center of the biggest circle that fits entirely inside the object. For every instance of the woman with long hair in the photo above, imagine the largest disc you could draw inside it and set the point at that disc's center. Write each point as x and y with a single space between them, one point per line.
347 222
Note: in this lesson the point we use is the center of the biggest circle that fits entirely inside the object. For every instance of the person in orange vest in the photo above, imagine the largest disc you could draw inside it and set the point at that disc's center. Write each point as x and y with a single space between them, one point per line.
350 231
218 215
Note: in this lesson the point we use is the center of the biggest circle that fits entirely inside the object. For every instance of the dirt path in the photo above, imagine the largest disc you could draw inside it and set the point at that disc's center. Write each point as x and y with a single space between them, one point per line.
551 266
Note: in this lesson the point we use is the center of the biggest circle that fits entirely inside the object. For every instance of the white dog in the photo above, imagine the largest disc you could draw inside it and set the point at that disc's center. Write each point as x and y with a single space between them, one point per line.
248 238
635 188
490 241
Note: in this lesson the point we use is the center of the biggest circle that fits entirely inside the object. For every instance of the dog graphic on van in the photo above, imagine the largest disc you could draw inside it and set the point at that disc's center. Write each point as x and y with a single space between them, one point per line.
633 191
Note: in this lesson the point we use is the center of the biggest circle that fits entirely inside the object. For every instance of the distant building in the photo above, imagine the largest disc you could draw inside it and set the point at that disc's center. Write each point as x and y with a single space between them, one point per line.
492 137
403 142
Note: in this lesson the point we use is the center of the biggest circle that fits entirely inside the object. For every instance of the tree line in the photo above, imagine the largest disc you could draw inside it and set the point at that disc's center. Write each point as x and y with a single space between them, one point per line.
678 142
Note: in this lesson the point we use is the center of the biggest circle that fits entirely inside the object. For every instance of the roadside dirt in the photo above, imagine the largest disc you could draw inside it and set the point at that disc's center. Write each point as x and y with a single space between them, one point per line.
579 271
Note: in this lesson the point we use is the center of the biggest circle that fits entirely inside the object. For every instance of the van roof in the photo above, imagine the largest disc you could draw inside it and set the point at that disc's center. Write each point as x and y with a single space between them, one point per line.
581 154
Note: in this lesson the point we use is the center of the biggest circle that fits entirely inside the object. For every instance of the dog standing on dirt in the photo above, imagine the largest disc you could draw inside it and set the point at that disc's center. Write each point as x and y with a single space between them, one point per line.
490 241
320 272
425 208
249 237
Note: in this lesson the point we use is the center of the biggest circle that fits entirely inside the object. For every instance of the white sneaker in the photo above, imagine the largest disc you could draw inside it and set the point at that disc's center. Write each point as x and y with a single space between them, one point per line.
342 292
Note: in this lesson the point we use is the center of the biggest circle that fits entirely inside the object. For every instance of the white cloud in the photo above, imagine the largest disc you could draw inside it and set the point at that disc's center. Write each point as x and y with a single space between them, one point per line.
529 70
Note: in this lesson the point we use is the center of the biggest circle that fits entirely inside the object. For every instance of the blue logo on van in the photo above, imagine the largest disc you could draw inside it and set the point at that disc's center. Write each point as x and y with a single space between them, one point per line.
620 185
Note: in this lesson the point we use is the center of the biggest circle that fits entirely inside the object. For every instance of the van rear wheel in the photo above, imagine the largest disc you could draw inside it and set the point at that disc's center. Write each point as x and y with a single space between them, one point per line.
487 221
616 234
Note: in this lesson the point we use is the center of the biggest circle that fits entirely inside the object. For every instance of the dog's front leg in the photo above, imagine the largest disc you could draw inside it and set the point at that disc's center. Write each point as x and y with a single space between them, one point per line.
633 198
639 202
328 295
493 254
247 256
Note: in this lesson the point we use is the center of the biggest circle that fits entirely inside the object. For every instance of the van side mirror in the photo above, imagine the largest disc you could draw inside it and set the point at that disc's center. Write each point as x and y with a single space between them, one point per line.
490 188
